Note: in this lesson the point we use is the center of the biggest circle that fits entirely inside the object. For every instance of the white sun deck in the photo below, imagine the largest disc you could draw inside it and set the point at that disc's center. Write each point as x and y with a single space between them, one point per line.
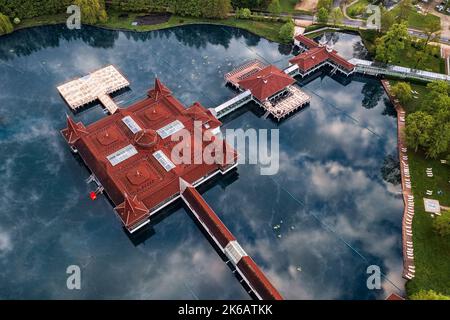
96 85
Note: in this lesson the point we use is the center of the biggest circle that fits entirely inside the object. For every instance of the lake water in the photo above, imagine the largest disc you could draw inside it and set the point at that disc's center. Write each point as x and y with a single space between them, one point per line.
335 196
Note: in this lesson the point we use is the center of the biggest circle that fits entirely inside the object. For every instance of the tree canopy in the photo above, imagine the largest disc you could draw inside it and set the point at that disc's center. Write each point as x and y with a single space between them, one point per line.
5 24
322 15
429 129
287 31
336 16
274 6
428 295
387 19
402 91
92 11
396 39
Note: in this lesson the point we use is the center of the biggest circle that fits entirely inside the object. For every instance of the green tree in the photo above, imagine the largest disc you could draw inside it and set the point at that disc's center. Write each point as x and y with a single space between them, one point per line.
441 224
436 97
243 13
428 295
327 4
419 129
336 16
274 7
287 31
431 29
5 24
218 9
92 11
402 91
387 19
322 15
395 40
405 7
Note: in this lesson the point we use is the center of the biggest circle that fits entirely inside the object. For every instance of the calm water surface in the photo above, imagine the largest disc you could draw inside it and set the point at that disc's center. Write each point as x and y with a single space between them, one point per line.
335 196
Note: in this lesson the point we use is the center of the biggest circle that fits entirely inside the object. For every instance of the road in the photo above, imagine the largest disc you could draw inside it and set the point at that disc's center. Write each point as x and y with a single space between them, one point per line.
358 24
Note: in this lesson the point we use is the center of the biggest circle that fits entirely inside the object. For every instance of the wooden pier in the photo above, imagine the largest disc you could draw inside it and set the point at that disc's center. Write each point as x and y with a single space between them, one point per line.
97 85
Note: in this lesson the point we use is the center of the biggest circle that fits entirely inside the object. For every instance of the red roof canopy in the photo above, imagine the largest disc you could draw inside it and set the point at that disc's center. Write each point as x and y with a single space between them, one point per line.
266 82
139 182
315 56
307 42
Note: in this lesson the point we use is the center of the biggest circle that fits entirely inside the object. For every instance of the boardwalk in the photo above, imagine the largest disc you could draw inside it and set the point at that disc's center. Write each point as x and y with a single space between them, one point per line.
408 197
376 69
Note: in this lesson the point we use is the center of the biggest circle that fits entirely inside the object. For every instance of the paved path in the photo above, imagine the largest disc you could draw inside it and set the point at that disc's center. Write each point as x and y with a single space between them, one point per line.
354 23
408 198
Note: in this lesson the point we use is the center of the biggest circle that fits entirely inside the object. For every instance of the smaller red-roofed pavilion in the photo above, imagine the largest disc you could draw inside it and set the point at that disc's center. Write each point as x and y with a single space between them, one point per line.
267 83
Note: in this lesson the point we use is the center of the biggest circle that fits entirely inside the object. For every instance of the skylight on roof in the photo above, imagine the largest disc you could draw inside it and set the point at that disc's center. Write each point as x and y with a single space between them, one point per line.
122 154
163 160
170 129
131 124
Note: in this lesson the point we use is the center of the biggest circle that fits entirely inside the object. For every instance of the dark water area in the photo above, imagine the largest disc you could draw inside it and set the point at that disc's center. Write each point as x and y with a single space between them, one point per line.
334 198
349 45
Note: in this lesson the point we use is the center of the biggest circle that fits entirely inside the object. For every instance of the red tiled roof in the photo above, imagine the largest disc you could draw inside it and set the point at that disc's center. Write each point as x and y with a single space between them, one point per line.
217 228
208 216
336 58
315 56
257 279
141 176
307 42
394 296
310 58
159 90
266 82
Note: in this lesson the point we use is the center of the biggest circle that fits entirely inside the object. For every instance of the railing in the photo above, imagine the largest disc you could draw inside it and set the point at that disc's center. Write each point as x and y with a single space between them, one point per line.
291 70
374 68
233 104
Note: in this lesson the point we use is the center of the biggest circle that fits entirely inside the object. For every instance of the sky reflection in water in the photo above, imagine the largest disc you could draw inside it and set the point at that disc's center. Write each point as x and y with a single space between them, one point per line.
338 213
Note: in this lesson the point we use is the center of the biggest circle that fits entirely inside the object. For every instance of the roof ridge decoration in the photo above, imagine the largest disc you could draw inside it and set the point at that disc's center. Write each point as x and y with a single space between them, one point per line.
130 206
159 90
74 130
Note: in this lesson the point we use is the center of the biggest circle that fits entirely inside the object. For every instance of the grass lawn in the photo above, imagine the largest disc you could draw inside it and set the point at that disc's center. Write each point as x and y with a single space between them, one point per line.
406 57
288 5
431 251
417 20
357 8
42 20
265 29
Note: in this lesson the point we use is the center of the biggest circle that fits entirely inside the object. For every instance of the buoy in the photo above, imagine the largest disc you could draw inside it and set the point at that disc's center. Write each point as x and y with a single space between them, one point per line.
93 195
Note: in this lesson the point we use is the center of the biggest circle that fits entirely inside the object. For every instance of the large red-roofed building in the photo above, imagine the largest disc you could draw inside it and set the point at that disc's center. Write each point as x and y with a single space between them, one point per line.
129 153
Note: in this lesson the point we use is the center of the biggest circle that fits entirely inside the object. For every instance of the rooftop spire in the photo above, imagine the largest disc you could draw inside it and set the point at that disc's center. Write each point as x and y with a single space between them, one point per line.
159 90
130 208
73 131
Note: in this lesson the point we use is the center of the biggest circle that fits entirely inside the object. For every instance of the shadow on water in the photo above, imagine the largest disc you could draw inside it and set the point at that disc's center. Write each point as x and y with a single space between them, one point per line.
330 171
148 230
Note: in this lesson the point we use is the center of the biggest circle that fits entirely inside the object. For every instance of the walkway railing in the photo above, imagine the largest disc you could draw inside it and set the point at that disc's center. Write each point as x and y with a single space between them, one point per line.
376 68
233 104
